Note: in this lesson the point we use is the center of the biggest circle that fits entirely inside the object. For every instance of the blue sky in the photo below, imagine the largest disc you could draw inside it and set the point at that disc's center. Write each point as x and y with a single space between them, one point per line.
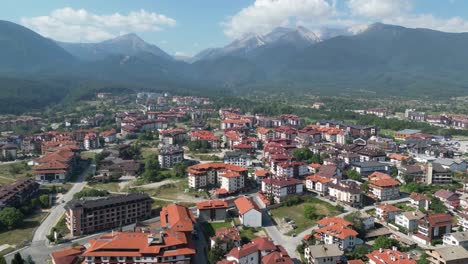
188 26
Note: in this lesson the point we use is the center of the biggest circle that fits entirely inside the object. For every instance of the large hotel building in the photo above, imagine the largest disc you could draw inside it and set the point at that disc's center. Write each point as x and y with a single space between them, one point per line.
91 215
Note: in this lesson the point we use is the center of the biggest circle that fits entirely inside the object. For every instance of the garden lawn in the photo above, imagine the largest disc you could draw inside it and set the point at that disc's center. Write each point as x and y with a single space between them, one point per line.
210 228
405 207
24 233
248 233
296 213
13 171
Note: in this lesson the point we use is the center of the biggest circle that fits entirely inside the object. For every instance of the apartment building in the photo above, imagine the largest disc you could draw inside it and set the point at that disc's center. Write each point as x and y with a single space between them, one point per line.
323 254
409 220
170 155
281 188
210 174
15 194
346 191
87 216
387 212
456 239
338 232
433 226
231 181
238 158
383 187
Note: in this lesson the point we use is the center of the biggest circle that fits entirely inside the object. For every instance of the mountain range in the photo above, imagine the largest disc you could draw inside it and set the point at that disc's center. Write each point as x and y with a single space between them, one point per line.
381 59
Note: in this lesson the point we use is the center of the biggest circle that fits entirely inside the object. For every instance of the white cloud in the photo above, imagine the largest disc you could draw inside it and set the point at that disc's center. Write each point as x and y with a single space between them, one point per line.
68 24
454 24
264 15
379 8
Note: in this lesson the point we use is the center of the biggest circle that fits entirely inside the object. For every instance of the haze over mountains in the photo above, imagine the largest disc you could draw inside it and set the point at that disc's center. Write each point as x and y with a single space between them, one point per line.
382 59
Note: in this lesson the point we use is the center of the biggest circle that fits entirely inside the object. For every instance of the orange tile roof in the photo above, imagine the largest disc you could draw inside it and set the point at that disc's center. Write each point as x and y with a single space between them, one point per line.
52 165
212 204
230 174
68 255
221 191
264 130
390 256
177 217
398 157
379 176
388 207
202 168
419 197
204 135
316 178
108 133
227 233
315 165
384 183
355 261
337 230
333 220
261 173
245 204
135 244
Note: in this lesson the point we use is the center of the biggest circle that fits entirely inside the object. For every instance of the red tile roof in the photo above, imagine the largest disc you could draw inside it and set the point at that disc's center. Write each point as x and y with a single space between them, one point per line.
316 178
389 256
277 257
333 220
135 244
212 204
245 250
245 204
355 261
384 183
177 217
388 207
227 233
68 255
441 219
419 197
337 230
204 135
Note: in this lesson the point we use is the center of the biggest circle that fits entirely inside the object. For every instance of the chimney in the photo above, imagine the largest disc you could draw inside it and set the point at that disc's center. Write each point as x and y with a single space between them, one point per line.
394 248
429 173
380 250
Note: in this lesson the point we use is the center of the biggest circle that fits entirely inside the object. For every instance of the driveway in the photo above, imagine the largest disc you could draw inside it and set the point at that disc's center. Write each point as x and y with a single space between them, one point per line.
56 213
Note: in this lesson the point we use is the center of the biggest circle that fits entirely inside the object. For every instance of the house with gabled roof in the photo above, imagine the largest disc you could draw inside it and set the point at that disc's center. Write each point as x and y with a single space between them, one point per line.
332 230
420 201
212 210
383 187
249 212
387 212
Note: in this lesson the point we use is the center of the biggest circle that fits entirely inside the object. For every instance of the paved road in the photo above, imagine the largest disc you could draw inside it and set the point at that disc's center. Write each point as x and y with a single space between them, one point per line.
290 243
54 216
200 246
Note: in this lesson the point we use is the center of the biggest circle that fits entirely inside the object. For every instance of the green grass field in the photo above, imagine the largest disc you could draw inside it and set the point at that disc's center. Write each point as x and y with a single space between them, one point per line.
22 234
296 213
210 228
13 171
